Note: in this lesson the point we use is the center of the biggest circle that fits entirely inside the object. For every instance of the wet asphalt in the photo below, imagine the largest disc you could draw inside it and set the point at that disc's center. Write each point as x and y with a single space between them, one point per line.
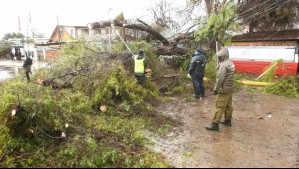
10 69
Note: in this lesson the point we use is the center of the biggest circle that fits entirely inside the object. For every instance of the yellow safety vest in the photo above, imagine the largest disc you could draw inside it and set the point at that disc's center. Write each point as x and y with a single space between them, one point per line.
139 65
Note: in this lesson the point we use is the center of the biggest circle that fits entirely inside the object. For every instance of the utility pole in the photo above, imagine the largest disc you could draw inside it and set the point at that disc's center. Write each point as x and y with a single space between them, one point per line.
59 33
109 26
27 54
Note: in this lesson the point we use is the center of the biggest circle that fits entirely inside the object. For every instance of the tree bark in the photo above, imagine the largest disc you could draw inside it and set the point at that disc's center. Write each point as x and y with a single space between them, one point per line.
118 23
171 50
168 48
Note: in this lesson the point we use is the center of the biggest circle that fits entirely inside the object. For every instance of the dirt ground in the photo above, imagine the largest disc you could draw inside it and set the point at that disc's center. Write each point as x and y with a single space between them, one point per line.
265 133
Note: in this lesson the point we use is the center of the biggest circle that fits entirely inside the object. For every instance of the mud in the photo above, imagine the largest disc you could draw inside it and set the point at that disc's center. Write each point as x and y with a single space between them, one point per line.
265 133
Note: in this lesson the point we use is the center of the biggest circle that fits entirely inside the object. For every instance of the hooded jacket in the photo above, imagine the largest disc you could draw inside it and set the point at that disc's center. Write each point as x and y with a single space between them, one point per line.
225 73
198 64
27 63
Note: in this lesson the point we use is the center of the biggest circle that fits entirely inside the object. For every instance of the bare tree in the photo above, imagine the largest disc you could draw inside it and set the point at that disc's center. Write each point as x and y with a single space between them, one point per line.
212 6
167 16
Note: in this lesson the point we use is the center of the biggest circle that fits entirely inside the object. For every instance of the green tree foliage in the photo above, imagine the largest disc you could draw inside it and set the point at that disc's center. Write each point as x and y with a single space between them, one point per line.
218 25
211 6
5 48
13 35
288 86
271 69
260 15
61 123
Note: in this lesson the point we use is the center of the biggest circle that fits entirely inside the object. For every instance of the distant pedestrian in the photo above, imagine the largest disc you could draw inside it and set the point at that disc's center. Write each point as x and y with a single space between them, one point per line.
27 67
11 56
224 89
197 72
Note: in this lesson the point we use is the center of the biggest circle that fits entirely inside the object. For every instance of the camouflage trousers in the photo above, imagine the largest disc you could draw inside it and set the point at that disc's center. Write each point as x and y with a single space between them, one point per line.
27 72
224 106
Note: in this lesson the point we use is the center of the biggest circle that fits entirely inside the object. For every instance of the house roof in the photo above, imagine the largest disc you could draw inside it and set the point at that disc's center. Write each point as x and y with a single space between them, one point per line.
53 33
283 35
61 27
74 26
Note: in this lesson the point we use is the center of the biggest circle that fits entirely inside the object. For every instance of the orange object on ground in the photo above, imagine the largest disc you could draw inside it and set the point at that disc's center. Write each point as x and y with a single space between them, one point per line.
148 72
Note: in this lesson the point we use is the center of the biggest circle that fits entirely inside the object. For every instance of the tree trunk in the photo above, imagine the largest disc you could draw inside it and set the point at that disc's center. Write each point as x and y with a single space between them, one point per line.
117 23
167 48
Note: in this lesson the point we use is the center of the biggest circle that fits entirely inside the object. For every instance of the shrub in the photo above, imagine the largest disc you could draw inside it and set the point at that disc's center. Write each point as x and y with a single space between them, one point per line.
59 123
287 86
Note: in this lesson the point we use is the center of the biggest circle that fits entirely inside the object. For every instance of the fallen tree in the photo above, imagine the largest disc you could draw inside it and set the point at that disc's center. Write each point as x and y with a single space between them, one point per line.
89 112
168 47
142 27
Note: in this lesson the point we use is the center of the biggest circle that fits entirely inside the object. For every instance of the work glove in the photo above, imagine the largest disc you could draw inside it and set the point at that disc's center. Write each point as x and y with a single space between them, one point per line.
215 92
189 76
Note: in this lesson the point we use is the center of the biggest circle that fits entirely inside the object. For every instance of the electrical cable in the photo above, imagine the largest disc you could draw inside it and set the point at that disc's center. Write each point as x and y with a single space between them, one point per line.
269 10
251 9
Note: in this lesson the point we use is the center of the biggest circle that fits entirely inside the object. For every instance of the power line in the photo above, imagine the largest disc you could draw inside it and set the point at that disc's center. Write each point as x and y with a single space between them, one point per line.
276 32
265 8
269 10
250 9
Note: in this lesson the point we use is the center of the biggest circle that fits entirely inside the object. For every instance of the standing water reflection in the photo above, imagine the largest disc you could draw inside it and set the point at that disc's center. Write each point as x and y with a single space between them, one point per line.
10 69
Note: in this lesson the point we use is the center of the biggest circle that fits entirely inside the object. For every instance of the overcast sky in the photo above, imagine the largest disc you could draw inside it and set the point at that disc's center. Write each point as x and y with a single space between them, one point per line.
70 12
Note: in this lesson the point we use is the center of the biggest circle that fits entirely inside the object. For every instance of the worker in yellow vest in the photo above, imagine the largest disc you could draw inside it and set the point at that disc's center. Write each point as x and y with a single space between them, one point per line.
140 65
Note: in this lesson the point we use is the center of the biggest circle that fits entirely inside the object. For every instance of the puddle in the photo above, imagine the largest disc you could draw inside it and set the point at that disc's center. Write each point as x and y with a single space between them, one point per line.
11 69
249 143
7 72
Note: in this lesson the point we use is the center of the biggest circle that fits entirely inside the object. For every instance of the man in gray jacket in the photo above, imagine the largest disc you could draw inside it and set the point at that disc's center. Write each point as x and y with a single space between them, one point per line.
224 89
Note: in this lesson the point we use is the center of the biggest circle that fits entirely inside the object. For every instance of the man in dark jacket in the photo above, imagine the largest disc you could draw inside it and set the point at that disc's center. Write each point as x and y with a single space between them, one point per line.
224 89
197 72
140 65
27 67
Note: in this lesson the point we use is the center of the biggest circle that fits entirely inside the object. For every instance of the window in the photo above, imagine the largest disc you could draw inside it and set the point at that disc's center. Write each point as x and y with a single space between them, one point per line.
72 32
97 31
85 31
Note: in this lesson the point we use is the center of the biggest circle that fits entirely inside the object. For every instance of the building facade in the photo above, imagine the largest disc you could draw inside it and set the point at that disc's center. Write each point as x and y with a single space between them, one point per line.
254 52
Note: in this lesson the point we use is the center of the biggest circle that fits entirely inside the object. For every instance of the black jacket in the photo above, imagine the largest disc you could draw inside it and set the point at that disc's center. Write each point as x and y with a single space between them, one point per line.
197 65
27 63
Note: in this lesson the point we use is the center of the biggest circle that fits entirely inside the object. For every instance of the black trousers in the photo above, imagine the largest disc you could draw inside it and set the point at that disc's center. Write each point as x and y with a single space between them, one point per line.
198 84
141 78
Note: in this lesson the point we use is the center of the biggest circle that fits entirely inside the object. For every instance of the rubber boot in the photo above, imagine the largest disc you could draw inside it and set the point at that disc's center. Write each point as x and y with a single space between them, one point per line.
213 126
226 122
196 96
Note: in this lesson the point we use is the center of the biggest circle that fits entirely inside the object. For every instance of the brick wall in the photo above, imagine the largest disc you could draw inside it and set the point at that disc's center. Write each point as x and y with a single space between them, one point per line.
271 43
51 54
